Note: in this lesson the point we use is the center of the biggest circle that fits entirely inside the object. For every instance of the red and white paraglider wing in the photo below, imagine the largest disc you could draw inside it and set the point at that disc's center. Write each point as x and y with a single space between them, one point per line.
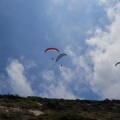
51 49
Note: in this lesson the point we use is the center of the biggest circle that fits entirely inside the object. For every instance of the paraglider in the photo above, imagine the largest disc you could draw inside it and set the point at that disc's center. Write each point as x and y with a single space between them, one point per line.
117 63
56 50
52 49
60 56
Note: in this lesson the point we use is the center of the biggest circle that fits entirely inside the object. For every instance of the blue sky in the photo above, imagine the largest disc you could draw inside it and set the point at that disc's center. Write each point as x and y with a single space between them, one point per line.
87 31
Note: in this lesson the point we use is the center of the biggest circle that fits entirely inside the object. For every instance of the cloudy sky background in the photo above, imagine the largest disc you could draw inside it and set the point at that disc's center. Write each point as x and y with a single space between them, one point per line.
87 31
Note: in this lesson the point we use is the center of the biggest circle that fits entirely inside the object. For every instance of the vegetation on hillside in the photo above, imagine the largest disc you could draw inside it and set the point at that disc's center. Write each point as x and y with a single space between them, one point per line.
14 107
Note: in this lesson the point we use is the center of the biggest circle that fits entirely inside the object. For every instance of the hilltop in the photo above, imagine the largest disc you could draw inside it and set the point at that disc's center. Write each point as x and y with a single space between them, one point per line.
14 107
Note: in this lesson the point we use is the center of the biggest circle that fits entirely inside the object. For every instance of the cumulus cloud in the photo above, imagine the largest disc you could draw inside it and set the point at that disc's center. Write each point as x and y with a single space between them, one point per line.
18 80
58 91
28 63
71 81
56 85
67 73
95 68
48 75
104 54
79 61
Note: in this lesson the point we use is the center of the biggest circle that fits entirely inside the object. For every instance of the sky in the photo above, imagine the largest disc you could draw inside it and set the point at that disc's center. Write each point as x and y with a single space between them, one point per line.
87 31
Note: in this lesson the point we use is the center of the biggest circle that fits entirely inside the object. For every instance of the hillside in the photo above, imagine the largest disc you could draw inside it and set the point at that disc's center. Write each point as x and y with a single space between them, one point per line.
14 107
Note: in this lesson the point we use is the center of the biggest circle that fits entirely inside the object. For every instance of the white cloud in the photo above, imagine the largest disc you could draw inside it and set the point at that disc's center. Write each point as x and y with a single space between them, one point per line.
58 84
101 76
103 1
18 80
28 63
67 73
58 91
74 76
104 54
48 75
106 2
78 60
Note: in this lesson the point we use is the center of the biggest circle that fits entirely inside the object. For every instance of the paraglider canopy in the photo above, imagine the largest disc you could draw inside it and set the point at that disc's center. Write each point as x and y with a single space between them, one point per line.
51 49
117 63
60 56
54 52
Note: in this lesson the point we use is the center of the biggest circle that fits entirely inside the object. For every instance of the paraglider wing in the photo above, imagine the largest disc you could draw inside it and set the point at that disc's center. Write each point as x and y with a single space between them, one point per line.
60 56
117 63
51 49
